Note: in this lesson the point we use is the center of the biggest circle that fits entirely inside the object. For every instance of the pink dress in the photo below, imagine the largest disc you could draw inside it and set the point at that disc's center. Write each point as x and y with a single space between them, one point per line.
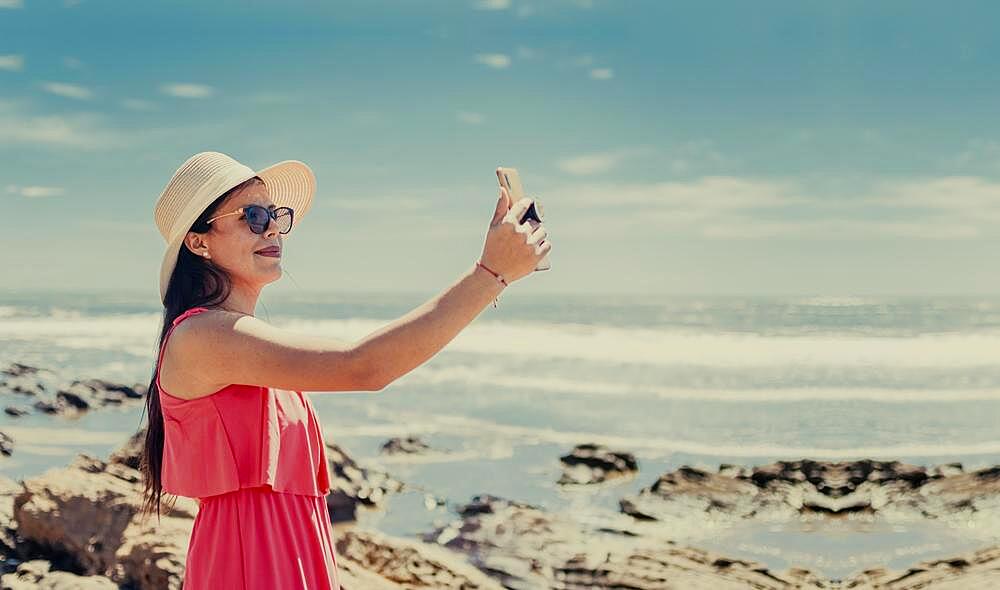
255 458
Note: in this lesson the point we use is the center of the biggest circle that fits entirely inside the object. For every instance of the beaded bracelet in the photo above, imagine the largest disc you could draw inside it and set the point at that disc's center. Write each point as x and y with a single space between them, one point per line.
498 276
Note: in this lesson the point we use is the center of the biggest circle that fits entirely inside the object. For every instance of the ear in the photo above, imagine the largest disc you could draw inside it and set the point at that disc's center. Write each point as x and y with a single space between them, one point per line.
194 241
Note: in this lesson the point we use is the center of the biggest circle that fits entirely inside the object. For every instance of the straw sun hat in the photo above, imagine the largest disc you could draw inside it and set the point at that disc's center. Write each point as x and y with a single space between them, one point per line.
203 178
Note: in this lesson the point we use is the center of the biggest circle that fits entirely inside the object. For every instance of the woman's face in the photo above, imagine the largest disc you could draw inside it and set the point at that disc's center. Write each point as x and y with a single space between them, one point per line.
233 247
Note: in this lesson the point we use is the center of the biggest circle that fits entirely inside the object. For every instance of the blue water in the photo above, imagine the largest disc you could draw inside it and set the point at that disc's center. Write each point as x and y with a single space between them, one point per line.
697 381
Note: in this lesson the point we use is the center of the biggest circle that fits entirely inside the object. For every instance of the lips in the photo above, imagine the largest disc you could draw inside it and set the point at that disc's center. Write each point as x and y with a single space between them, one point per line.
270 251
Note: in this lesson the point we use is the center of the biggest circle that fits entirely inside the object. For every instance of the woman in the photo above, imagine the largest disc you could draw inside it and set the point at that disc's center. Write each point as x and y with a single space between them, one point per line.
228 421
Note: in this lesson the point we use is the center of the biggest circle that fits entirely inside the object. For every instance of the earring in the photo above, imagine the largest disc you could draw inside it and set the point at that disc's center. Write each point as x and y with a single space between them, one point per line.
205 254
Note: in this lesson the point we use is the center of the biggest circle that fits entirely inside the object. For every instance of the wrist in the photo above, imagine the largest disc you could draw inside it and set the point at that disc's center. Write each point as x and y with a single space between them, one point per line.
496 275
497 282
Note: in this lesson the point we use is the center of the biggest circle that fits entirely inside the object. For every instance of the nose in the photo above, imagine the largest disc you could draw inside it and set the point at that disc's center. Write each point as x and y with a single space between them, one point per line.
272 227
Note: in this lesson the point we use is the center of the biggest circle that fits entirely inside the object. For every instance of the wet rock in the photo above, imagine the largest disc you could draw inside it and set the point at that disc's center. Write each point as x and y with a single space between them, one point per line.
351 484
15 411
97 392
946 470
976 570
54 396
524 547
26 380
8 528
409 563
6 444
48 407
591 464
85 519
408 445
37 575
153 552
793 487
81 511
130 453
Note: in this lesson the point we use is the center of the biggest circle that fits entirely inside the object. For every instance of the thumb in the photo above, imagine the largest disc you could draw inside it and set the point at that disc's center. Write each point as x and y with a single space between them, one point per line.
503 205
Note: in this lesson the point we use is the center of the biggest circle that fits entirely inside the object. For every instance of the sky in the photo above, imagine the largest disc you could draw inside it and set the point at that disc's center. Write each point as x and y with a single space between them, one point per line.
700 148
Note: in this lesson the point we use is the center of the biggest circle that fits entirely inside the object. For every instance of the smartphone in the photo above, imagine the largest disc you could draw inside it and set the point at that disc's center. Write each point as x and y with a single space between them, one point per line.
511 180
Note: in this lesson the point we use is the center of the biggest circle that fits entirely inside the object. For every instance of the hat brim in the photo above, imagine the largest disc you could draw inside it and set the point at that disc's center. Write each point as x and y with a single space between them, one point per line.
290 183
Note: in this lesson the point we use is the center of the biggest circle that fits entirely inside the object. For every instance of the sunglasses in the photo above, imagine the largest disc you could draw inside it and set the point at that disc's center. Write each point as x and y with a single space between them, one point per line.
259 218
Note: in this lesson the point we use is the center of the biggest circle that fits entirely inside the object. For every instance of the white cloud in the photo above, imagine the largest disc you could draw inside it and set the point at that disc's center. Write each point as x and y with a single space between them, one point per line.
34 191
494 60
493 5
602 73
68 90
731 207
705 194
589 164
598 162
80 130
11 4
72 63
699 154
135 104
470 118
967 197
631 209
12 62
188 90
526 52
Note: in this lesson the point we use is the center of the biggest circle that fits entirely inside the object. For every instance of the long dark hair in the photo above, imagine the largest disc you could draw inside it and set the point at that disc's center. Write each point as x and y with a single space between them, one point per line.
195 282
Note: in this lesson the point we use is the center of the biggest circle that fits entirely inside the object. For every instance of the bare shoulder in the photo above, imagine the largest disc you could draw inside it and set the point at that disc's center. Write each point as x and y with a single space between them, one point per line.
202 325
230 347
185 355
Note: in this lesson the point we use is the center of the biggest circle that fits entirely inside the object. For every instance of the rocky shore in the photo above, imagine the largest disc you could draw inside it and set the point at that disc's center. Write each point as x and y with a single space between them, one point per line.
78 526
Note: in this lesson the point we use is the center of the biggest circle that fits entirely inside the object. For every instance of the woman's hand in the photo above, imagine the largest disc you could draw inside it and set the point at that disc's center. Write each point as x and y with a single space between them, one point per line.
514 249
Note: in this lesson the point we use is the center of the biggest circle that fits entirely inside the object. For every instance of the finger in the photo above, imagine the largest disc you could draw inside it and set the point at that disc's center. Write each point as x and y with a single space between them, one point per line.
538 235
503 205
517 209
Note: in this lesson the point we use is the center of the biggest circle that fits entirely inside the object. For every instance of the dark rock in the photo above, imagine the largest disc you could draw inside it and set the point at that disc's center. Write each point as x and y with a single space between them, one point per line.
523 546
15 411
408 445
806 486
73 398
47 407
130 453
591 464
411 564
26 380
37 574
351 484
6 444
18 370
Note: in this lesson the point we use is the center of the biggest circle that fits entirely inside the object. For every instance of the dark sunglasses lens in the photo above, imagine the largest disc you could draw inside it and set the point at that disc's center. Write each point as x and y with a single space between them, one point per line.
257 219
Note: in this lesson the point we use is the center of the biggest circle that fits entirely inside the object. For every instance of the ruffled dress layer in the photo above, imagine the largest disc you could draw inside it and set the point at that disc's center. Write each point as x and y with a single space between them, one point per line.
255 458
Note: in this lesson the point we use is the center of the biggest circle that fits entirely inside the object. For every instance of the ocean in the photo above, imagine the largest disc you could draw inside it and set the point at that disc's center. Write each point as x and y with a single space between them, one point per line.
676 381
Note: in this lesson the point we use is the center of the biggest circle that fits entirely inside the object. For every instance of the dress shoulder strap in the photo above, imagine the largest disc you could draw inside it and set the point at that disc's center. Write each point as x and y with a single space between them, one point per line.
188 313
177 320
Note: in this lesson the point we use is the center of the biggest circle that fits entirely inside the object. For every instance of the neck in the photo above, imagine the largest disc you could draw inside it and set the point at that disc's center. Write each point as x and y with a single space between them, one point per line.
242 299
